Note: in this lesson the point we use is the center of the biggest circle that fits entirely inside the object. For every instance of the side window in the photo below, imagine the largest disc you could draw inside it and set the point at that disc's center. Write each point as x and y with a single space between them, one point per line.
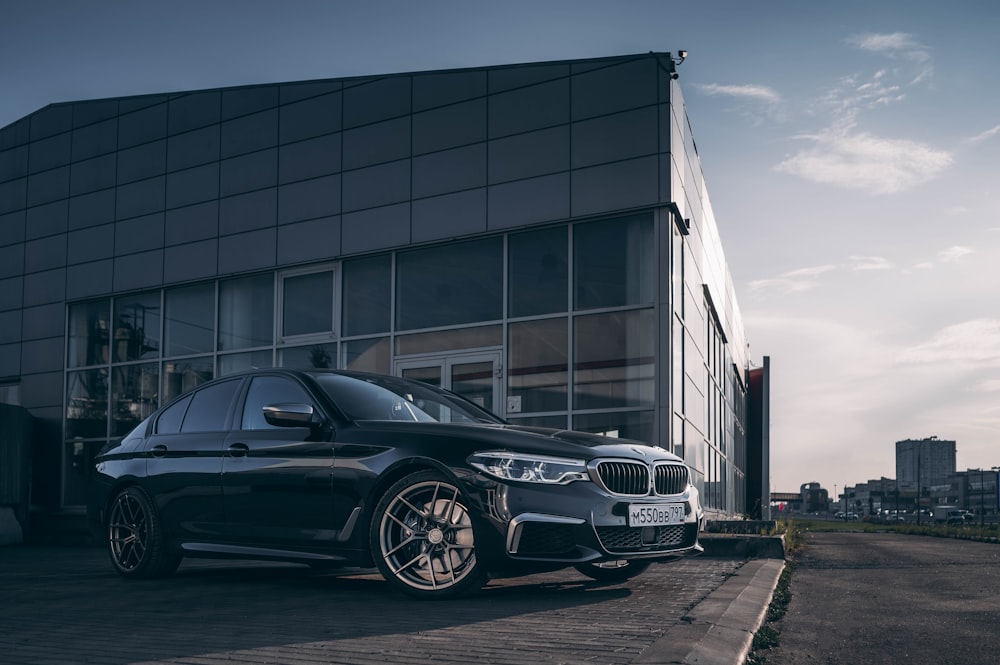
210 407
266 390
169 421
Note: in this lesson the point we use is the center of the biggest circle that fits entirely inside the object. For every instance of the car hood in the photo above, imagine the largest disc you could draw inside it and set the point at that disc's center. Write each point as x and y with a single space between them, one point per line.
538 440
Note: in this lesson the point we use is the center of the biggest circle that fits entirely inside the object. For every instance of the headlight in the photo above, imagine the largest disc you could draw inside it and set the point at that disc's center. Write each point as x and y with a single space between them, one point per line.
530 468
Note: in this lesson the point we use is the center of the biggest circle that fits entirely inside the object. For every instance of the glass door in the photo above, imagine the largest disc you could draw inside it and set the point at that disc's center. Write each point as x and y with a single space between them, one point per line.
475 377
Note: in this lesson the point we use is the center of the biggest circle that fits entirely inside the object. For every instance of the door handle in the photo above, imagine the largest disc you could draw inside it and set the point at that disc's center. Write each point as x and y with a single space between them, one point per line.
238 450
158 450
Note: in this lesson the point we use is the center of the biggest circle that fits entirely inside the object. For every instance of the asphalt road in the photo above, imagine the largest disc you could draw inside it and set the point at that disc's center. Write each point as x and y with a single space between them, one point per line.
867 598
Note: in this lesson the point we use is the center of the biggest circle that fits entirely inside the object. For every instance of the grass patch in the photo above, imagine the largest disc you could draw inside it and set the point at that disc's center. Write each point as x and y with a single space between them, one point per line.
767 636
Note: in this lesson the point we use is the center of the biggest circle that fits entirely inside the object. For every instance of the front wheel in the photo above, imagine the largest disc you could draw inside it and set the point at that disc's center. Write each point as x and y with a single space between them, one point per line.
613 571
137 542
422 538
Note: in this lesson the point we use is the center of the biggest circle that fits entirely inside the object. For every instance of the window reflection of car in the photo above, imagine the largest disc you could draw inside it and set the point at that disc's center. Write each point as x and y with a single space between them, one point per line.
333 468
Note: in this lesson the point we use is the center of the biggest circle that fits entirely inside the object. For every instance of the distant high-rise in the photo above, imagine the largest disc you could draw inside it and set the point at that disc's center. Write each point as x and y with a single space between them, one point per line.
924 462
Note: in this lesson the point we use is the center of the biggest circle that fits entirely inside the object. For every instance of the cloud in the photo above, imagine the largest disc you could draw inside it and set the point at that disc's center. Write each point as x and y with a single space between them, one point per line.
897 46
758 93
975 343
955 253
984 136
869 263
794 281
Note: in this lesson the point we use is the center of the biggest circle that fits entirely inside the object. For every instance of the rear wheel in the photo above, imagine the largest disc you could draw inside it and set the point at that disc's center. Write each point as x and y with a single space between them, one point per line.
613 571
422 538
136 539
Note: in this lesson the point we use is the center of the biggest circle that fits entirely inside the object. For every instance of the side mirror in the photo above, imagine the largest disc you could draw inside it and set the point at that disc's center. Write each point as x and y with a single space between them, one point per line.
291 415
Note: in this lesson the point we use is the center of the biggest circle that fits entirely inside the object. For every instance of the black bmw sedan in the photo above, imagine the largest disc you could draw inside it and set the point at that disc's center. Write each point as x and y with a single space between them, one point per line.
334 468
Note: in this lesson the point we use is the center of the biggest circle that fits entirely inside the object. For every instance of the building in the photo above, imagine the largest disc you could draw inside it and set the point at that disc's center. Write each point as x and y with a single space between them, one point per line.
924 465
537 237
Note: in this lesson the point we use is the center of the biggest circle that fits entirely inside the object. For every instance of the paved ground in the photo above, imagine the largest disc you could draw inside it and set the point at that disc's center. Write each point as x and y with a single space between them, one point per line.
863 599
63 605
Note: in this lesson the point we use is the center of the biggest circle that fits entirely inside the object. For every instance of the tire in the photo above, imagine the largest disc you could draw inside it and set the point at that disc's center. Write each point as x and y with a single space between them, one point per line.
137 543
613 571
422 538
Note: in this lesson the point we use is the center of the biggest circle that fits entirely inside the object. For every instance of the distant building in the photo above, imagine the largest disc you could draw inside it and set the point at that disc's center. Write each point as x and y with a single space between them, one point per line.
923 463
814 498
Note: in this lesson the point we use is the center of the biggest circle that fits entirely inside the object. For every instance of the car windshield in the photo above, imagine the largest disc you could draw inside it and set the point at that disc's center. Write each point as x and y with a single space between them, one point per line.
388 398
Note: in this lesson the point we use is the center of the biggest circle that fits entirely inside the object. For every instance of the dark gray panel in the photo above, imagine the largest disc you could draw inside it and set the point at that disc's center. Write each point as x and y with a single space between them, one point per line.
314 240
533 201
519 76
93 174
10 326
14 163
144 161
248 211
527 109
529 155
249 172
441 88
44 287
86 113
193 148
129 104
45 253
377 100
40 390
293 92
377 185
319 197
138 271
247 251
51 120
142 126
10 359
193 185
43 321
380 228
139 234
250 133
13 195
449 216
49 153
308 159
15 134
243 101
311 117
450 126
89 279
377 143
91 244
617 88
48 186
449 171
190 223
195 260
45 220
12 227
92 209
10 292
11 260
615 137
93 140
42 355
140 198
618 186
194 110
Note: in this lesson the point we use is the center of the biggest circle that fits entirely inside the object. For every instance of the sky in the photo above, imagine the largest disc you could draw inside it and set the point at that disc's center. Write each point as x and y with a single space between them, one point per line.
851 152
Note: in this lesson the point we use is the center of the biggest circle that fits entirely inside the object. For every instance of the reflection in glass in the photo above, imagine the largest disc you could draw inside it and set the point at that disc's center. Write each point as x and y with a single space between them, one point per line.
246 312
367 295
236 362
368 355
613 262
635 425
180 376
78 467
474 382
553 422
87 336
189 324
539 270
538 373
450 340
134 395
307 304
137 327
87 404
314 356
430 375
614 363
450 284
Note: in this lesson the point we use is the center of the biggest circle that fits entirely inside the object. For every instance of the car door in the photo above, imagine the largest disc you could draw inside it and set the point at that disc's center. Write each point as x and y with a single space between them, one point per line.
276 481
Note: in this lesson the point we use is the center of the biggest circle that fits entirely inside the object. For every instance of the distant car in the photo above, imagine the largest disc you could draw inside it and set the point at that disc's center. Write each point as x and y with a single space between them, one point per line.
853 517
333 468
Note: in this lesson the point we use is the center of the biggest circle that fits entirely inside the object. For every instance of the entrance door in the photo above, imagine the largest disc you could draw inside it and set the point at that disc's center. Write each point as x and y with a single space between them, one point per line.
475 377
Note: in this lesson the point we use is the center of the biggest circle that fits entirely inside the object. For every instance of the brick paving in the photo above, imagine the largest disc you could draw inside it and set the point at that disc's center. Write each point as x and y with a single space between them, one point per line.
65 605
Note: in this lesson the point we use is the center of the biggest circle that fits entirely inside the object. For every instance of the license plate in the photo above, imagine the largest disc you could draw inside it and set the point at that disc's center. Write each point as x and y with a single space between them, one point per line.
658 514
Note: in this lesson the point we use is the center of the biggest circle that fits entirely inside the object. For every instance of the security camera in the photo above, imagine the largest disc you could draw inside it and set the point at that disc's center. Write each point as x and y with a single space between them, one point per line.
682 54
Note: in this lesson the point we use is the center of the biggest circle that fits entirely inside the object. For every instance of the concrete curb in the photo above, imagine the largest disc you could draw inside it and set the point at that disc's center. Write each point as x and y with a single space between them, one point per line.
719 630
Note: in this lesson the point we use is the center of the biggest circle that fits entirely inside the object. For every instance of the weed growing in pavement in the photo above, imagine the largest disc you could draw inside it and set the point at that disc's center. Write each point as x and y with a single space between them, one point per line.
767 636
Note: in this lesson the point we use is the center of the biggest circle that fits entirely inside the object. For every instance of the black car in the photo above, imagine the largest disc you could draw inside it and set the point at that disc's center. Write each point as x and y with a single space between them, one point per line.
334 468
